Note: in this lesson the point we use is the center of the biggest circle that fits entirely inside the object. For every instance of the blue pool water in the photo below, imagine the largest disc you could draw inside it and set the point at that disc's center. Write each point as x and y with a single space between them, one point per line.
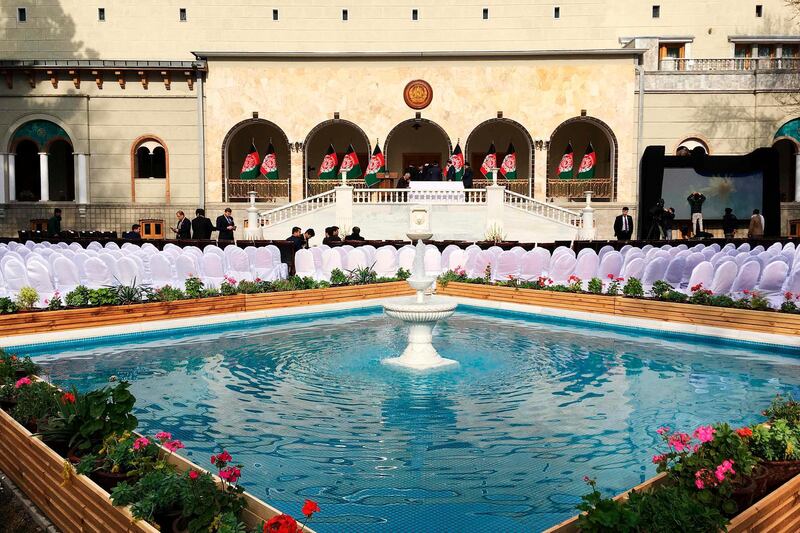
499 444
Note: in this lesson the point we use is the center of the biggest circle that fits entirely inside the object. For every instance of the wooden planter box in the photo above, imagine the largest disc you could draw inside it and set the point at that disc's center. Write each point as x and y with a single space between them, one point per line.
777 511
80 504
112 315
700 315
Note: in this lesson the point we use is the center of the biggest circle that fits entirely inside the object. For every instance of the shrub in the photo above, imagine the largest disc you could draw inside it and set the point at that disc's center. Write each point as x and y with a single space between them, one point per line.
675 296
674 508
660 288
759 302
248 287
27 298
102 296
721 300
595 286
604 514
700 296
451 275
129 294
55 303
167 293
8 306
613 285
338 277
362 276
633 288
35 401
209 292
193 287
228 287
78 297
155 495
402 274
776 441
12 367
784 408
574 284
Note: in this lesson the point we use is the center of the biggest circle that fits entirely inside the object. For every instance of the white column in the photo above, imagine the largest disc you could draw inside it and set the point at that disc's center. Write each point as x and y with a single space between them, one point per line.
44 180
253 230
587 219
344 207
12 177
495 195
3 196
797 177
81 178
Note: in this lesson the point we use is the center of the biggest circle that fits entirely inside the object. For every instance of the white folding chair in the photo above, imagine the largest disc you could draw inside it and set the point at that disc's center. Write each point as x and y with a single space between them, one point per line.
67 275
386 262
534 264
724 276
97 273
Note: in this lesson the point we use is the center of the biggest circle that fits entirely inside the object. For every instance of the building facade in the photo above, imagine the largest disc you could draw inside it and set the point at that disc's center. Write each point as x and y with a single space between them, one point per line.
130 111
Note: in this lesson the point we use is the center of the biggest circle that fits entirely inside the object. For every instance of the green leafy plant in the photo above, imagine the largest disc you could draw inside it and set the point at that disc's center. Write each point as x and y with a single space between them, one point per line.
204 501
228 287
338 277
721 300
784 408
248 287
595 286
660 289
55 303
700 296
776 441
13 367
613 285
78 297
27 298
36 400
601 515
759 302
362 276
209 292
129 294
452 275
675 296
672 508
156 494
8 306
102 296
633 288
193 287
86 421
402 274
167 293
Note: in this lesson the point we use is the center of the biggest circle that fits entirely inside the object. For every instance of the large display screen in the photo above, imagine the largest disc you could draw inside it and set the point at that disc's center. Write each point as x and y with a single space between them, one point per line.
741 192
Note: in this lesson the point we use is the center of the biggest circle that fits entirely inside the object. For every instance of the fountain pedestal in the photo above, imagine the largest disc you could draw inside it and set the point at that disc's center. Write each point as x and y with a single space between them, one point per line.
421 316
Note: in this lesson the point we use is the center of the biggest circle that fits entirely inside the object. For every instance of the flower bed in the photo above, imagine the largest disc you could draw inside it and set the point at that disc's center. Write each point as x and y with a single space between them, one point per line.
145 485
629 306
713 479
65 319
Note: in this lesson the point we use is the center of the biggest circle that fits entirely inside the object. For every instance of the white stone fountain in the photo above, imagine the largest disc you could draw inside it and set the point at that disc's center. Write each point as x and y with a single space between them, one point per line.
421 316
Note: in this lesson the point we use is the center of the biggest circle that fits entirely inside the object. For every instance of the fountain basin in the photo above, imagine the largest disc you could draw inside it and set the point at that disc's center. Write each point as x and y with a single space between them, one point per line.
421 318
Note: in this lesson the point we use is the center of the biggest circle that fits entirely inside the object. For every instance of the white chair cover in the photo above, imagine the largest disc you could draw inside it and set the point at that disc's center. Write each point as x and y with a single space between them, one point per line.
386 262
477 264
331 260
747 278
519 250
585 251
674 273
773 278
562 268
15 274
604 250
186 267
97 273
304 264
656 270
724 277
458 259
355 259
534 264
111 245
692 261
94 245
702 273
127 272
433 261
405 258
634 268
369 253
213 270
161 270
316 252
264 266
611 264
708 253
506 266
586 266
239 264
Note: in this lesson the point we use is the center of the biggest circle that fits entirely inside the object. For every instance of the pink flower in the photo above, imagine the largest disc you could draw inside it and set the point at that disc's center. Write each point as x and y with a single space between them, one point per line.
788 295
173 445
193 474
724 468
679 442
586 479
46 301
230 474
658 458
140 443
213 459
704 433
21 382
663 430
163 435
610 276
697 287
699 484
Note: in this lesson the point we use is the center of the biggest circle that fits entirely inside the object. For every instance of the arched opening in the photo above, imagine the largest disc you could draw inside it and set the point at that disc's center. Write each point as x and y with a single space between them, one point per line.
149 170
28 184
340 134
143 166
28 141
501 132
414 143
787 168
687 146
61 171
235 148
580 132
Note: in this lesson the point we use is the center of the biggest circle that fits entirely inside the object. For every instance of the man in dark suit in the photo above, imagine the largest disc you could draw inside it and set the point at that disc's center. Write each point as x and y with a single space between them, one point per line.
135 234
435 173
54 224
467 179
201 226
296 238
225 225
623 226
183 228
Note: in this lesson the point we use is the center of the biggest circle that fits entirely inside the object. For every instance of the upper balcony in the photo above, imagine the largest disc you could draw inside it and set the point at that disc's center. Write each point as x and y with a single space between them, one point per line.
738 64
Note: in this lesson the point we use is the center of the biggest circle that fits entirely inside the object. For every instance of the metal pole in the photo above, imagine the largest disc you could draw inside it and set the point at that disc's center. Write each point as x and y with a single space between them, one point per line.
201 136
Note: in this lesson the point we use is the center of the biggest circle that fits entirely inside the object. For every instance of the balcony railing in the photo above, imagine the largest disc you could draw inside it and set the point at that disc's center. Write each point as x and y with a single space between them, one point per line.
517 186
266 190
405 196
729 64
316 187
601 188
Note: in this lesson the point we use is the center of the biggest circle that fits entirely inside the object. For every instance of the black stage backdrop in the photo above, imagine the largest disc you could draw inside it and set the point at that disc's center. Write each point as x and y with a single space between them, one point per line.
738 173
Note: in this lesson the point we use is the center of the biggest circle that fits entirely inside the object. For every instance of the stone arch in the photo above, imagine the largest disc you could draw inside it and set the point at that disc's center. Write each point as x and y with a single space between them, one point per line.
27 141
692 142
580 131
340 133
406 144
158 161
523 144
77 144
234 149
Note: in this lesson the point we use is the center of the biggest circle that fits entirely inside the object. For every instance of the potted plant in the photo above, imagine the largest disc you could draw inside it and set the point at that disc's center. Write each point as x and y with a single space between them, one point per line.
155 497
79 427
13 367
36 401
124 456
777 445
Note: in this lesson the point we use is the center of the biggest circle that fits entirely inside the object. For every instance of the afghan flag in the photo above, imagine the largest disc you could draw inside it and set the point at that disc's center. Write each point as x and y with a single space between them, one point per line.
489 162
588 163
327 169
377 164
250 166
565 166
509 167
269 166
456 161
350 164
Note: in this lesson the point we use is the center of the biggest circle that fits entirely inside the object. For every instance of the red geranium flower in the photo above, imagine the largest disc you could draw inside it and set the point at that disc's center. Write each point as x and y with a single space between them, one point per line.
610 276
310 507
282 523
68 397
193 474
744 432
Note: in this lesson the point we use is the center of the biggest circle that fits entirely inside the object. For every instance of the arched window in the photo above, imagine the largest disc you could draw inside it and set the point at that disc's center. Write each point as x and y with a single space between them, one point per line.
150 160
687 146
